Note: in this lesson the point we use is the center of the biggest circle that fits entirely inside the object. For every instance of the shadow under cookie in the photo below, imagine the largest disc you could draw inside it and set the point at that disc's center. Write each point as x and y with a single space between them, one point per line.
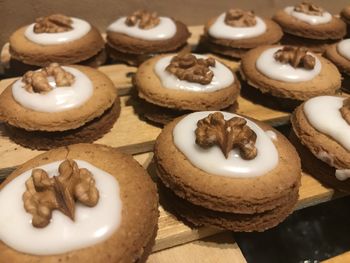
89 132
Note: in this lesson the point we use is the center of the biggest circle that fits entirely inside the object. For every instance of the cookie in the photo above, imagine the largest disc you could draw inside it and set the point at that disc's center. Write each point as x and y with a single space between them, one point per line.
104 221
56 38
320 133
235 32
309 21
143 34
345 15
232 172
186 82
289 73
78 102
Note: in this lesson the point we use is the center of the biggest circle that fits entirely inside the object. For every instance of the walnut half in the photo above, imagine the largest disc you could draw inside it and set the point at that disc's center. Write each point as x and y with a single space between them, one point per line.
227 134
345 110
240 18
297 57
37 82
143 18
308 8
56 23
44 194
187 67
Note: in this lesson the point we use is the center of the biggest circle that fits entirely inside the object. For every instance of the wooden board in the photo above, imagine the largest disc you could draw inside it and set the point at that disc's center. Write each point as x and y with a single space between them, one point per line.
343 258
135 136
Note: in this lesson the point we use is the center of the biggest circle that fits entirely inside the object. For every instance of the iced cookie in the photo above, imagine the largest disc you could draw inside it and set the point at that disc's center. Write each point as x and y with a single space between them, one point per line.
141 35
345 15
184 83
57 38
321 128
59 105
81 203
286 75
228 171
309 25
235 32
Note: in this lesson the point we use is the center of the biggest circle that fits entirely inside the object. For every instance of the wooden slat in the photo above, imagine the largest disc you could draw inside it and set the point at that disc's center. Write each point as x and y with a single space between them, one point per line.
343 258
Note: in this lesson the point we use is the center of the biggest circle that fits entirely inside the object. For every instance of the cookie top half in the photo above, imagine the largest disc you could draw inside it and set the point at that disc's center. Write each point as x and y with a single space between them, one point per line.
145 32
55 38
339 54
57 98
81 203
290 72
225 162
187 82
310 21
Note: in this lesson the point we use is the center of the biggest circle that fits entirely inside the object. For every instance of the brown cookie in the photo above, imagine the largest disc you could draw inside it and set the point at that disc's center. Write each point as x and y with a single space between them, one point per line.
150 88
327 82
76 51
131 241
341 62
335 29
250 196
345 14
311 143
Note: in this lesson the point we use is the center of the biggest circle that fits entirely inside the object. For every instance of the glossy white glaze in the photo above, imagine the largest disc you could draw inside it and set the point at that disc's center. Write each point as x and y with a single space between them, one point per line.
223 77
270 67
219 29
343 48
213 161
164 30
342 175
58 99
310 19
272 135
324 115
92 225
80 29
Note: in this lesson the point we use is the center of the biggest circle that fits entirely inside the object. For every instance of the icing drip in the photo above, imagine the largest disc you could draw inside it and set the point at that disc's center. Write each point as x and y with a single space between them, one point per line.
310 19
219 29
80 29
342 175
92 225
223 77
166 29
212 160
267 65
58 99
343 48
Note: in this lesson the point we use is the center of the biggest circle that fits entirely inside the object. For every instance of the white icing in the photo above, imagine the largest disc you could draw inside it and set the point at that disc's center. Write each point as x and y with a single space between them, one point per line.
270 67
342 175
58 99
164 30
80 29
343 48
223 77
324 115
310 19
213 161
272 135
219 29
92 224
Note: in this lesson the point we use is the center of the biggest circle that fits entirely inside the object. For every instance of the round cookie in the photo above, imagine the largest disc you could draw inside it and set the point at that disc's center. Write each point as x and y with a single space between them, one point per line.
80 112
271 70
52 44
231 193
345 15
322 147
305 23
159 86
128 229
134 39
240 33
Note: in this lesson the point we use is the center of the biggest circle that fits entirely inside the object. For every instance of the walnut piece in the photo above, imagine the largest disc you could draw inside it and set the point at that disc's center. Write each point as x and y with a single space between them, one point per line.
240 18
36 81
187 67
56 23
297 57
44 194
227 134
308 8
143 18
345 110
